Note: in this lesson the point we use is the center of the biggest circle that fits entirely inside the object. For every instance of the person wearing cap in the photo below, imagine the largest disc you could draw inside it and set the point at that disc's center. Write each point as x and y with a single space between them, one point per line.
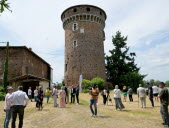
141 92
20 101
7 107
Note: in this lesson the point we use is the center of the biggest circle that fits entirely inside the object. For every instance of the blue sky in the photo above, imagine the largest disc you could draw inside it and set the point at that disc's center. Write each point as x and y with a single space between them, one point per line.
37 24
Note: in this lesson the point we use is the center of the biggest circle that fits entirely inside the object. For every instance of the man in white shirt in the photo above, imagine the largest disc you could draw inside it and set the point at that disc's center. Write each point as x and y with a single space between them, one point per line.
20 101
55 95
155 92
141 92
30 93
7 107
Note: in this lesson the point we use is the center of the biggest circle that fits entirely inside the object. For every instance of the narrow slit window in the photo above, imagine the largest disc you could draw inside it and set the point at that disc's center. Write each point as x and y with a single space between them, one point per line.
74 43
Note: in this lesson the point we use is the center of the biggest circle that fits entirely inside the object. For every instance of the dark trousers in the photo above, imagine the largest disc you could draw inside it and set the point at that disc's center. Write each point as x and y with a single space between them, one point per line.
130 98
164 114
104 99
77 98
17 109
72 98
152 101
93 102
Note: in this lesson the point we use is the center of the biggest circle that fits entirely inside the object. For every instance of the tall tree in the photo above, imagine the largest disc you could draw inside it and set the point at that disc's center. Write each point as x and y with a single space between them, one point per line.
3 5
120 65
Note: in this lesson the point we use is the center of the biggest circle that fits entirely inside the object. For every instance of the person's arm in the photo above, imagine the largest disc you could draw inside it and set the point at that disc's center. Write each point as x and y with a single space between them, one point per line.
26 99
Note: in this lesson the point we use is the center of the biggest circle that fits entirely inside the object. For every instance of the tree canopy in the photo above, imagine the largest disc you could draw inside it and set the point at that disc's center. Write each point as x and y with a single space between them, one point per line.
120 64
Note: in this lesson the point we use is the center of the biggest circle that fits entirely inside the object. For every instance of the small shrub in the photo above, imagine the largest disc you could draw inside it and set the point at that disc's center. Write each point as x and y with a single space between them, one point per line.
2 94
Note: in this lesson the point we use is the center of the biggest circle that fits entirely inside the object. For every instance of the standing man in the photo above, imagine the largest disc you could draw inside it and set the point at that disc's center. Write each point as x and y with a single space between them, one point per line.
164 95
30 93
7 107
77 94
150 94
67 94
55 95
73 92
94 94
20 101
141 92
130 92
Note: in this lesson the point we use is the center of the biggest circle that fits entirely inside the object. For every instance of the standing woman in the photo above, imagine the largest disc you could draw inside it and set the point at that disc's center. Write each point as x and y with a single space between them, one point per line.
117 98
62 98
104 92
124 93
39 102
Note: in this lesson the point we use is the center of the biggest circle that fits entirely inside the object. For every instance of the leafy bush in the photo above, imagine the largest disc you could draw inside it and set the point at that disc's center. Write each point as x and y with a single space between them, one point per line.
2 94
86 84
99 82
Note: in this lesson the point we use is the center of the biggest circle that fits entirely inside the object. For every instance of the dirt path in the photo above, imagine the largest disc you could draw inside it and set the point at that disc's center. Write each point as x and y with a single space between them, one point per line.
78 116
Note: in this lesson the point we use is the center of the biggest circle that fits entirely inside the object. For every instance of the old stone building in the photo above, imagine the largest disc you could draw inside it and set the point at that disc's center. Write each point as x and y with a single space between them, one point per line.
84 48
25 68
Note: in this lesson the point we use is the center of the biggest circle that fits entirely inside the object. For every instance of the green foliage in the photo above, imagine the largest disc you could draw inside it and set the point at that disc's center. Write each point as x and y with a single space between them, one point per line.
2 94
99 82
167 83
3 5
87 84
120 65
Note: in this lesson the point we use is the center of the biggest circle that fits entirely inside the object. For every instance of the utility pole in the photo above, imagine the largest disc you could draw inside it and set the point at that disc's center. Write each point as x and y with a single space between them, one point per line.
5 76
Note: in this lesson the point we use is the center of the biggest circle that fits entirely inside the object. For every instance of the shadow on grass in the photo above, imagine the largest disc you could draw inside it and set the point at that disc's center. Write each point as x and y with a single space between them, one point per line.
103 117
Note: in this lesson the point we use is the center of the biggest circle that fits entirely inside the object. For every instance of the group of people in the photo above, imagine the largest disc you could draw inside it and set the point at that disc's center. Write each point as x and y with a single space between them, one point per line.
15 102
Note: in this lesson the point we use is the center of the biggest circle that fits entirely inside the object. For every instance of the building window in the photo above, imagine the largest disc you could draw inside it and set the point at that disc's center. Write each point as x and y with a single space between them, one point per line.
101 13
88 9
74 43
75 27
65 67
74 10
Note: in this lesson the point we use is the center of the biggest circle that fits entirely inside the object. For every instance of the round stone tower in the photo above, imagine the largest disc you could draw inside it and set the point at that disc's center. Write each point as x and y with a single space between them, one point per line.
84 48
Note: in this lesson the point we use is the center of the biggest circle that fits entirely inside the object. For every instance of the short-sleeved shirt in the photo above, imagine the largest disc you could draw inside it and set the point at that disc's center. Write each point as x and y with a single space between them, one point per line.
164 96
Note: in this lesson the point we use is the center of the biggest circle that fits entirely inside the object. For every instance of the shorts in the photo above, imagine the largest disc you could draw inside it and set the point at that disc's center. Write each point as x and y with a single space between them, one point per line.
155 94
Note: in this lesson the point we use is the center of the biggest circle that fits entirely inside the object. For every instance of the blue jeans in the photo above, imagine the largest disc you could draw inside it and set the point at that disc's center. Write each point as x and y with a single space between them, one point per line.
93 102
35 98
7 118
48 98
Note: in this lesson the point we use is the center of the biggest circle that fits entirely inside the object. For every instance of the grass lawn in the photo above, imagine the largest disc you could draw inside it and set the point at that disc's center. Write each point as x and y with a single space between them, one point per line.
78 116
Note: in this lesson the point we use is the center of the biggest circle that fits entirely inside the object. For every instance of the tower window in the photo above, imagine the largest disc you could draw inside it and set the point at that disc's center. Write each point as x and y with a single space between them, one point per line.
88 9
74 43
65 67
75 27
101 13
74 10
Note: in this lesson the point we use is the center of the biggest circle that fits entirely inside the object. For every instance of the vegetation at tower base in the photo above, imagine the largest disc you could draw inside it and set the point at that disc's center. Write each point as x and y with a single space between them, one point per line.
3 5
87 84
2 93
120 67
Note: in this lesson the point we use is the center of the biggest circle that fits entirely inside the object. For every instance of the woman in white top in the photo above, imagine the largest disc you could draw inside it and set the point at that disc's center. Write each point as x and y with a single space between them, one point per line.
117 98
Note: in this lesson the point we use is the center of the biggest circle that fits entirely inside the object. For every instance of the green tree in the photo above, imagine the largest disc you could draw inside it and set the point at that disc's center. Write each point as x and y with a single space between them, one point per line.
167 83
120 65
3 5
86 84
